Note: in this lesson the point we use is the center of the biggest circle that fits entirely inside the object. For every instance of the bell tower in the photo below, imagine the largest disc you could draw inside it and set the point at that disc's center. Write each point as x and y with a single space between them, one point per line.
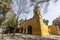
43 29
37 11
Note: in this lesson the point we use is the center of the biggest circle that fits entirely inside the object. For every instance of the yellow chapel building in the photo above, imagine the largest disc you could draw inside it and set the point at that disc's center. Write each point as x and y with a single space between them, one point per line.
35 25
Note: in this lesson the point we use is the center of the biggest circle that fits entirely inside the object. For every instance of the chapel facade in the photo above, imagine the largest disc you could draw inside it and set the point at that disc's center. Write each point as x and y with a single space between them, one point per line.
35 25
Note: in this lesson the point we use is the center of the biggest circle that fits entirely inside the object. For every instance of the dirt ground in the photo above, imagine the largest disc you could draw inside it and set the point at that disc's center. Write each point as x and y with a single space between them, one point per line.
19 36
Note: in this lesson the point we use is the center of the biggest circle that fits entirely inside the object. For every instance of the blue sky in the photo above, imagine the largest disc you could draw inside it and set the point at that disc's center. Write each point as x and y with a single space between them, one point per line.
53 12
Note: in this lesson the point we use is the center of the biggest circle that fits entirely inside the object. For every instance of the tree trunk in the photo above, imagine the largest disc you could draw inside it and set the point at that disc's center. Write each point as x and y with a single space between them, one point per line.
3 16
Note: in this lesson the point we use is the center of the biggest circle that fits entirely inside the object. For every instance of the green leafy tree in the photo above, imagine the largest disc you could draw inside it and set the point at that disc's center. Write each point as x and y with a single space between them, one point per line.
10 21
5 6
22 20
56 22
46 21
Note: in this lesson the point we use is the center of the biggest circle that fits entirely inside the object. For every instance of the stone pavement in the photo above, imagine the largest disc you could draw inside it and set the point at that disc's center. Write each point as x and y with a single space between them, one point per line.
19 36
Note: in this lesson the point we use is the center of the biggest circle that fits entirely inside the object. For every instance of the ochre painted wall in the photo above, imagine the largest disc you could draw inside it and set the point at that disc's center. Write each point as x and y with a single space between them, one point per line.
53 29
35 27
44 28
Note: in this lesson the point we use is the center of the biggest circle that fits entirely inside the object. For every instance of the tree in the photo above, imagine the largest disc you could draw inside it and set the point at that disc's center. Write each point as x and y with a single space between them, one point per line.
0 20
45 21
21 21
56 22
21 6
5 6
10 20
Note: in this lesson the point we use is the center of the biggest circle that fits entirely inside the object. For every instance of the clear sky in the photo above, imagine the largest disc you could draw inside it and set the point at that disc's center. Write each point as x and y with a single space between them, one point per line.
53 12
